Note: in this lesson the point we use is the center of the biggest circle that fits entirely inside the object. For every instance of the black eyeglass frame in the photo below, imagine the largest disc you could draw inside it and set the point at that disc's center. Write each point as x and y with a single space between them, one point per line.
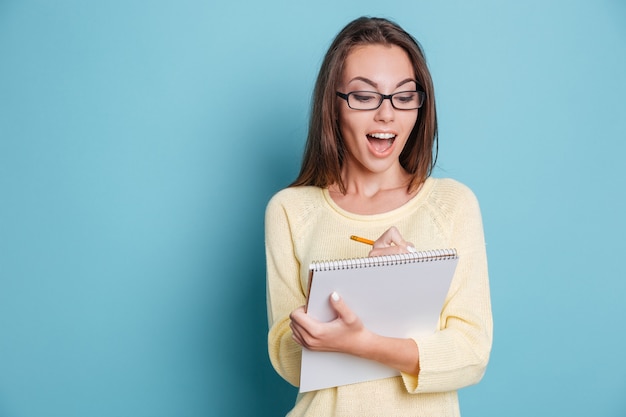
383 97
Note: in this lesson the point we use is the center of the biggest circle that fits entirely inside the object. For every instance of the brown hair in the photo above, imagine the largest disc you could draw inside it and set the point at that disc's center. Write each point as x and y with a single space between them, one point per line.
325 150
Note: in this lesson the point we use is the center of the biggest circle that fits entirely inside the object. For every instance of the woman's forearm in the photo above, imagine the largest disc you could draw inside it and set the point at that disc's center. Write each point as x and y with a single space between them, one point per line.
400 354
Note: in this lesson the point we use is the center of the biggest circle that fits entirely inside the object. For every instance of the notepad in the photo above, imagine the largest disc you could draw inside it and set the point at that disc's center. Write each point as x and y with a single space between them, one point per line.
396 296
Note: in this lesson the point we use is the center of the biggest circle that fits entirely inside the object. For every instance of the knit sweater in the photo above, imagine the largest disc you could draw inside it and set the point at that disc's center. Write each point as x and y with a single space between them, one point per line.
304 224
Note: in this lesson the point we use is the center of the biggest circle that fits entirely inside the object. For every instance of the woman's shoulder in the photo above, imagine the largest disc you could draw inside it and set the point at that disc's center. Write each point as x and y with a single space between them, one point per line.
451 193
295 197
451 186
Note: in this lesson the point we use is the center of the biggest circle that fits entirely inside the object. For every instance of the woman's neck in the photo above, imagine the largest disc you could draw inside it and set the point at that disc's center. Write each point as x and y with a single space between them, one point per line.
373 193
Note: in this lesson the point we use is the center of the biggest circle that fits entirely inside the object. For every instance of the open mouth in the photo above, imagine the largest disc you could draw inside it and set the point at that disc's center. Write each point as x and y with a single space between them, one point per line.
381 141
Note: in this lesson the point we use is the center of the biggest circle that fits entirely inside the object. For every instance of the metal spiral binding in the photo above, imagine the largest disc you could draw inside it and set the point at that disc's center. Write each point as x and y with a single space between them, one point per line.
405 258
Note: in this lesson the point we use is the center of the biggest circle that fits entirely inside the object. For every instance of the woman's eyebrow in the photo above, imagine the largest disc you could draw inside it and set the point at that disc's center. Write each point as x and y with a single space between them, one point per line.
375 85
365 80
408 80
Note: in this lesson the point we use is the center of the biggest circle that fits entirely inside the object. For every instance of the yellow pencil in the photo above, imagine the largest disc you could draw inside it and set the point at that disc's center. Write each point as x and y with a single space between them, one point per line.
362 240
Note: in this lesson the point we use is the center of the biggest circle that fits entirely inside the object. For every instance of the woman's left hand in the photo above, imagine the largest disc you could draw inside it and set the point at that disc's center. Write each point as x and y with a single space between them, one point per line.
345 334
391 243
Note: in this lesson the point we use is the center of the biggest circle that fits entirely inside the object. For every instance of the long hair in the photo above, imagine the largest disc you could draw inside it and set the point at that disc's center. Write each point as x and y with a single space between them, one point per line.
325 150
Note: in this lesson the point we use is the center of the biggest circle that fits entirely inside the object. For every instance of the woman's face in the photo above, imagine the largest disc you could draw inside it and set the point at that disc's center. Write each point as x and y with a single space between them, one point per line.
374 139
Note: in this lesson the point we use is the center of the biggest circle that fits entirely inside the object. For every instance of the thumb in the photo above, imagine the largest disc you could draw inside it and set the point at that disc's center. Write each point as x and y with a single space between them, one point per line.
340 307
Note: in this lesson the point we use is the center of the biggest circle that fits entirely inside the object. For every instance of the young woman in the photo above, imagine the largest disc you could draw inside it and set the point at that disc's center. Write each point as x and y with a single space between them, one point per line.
366 170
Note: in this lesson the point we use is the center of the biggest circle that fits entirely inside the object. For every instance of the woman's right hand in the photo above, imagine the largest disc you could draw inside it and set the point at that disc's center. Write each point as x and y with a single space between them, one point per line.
345 333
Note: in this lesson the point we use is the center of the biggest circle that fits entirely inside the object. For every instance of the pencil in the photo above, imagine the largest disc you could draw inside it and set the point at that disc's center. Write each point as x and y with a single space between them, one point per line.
362 240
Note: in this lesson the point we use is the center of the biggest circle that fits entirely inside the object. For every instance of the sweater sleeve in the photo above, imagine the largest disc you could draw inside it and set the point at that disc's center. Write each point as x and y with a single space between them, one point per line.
284 292
456 356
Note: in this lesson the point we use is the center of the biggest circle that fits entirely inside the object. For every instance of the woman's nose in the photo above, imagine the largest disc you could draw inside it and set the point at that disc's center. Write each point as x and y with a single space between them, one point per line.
386 111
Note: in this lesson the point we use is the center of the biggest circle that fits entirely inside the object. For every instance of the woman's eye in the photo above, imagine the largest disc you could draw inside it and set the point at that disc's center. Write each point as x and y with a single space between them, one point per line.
363 98
406 98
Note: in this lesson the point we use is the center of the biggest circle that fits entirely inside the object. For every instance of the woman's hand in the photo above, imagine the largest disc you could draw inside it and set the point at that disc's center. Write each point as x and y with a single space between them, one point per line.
345 334
348 335
391 243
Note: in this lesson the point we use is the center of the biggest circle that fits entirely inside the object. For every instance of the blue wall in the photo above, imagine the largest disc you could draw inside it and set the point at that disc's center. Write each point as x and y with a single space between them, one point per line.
140 141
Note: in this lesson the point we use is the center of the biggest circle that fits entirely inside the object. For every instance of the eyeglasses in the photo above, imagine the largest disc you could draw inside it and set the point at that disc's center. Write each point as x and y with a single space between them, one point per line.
371 100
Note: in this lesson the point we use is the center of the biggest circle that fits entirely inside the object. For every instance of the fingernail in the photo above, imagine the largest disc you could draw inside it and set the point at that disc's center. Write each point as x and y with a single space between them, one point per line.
335 296
411 249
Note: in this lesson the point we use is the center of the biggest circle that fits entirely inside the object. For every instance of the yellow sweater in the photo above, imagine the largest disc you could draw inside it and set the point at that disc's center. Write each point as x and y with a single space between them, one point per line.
303 224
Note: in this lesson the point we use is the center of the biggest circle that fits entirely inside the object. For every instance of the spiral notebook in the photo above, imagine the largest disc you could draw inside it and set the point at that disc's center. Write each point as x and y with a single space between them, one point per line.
396 296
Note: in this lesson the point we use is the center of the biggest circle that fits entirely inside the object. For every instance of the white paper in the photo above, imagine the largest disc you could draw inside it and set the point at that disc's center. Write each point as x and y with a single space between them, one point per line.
402 301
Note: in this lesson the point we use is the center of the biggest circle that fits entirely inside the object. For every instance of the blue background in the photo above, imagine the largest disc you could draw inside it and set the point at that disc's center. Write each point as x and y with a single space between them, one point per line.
140 142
